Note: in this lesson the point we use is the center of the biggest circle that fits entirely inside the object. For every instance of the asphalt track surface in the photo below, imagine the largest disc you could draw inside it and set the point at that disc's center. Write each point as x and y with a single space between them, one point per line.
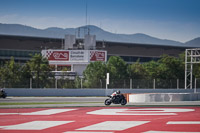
90 115
79 101
101 120
53 99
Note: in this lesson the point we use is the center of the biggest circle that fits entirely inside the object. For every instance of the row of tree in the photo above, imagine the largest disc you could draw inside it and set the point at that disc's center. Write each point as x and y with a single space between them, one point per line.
166 68
15 75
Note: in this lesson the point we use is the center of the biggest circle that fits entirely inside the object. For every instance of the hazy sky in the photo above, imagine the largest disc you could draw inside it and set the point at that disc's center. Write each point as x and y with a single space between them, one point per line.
166 19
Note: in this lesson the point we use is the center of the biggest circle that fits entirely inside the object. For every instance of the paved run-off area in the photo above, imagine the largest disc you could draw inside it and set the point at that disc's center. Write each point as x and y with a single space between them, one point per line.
36 102
101 120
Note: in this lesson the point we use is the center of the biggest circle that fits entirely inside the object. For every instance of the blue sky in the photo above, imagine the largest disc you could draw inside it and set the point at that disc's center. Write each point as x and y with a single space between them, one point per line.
166 19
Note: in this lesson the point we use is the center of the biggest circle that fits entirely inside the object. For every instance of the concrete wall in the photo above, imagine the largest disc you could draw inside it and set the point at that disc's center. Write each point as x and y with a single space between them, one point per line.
163 97
55 92
87 92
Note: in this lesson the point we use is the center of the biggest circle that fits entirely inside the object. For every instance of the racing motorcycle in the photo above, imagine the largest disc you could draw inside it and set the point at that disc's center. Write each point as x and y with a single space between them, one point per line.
119 99
3 94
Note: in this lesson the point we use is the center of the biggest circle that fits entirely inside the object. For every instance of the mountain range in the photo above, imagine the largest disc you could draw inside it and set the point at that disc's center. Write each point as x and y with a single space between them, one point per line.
54 32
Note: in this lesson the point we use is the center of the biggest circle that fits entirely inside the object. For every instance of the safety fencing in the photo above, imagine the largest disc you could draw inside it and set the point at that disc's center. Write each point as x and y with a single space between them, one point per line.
79 83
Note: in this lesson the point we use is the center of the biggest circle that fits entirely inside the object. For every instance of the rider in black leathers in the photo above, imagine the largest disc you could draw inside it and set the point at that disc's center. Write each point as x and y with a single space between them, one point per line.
3 93
116 94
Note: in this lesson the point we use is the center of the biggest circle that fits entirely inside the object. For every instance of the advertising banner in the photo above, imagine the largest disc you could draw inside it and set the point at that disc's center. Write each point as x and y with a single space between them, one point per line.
79 56
57 55
97 55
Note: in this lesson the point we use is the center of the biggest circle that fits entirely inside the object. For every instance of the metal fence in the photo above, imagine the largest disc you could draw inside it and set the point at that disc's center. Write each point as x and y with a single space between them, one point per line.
101 83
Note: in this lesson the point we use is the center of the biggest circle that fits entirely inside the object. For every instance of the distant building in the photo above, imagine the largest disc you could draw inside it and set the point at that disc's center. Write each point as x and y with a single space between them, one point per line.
79 50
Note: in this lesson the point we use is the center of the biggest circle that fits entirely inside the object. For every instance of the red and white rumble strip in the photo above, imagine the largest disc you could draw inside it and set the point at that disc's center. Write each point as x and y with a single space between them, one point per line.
101 120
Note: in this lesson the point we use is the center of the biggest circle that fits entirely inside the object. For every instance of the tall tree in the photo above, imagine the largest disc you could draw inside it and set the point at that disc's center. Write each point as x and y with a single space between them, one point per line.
94 72
137 71
10 73
39 69
117 68
196 70
171 67
151 69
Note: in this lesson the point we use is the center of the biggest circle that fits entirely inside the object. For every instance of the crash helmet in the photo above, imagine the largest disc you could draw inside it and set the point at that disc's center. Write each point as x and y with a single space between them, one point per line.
118 92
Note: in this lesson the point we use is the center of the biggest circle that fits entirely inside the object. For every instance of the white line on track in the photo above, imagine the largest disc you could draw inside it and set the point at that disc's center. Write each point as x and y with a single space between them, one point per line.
85 132
114 125
48 112
167 132
42 112
35 125
144 111
183 122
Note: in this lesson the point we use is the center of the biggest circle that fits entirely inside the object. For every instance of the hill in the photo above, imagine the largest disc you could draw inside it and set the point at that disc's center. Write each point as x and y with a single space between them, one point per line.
55 32
194 42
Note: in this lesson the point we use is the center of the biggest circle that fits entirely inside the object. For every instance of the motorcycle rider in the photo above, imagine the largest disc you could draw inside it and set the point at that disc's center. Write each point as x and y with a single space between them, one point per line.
2 93
116 98
115 94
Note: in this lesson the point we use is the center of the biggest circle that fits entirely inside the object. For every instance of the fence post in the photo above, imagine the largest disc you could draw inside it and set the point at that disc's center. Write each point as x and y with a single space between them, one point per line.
56 85
195 85
31 83
177 83
131 83
81 83
154 83
101 83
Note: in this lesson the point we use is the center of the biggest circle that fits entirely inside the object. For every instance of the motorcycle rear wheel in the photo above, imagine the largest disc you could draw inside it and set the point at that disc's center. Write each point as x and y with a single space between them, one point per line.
123 102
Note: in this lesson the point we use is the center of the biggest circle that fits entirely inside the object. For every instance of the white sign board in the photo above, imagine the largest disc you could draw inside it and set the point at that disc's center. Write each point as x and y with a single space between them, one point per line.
78 55
74 56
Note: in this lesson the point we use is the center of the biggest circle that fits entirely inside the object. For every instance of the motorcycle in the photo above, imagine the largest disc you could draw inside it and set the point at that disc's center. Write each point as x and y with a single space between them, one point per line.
120 99
3 94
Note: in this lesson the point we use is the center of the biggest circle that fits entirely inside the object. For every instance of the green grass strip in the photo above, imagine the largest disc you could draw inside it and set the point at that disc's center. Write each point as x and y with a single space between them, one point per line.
46 103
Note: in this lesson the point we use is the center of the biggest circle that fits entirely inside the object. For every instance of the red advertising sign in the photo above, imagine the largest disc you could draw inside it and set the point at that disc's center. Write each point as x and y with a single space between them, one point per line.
57 55
97 56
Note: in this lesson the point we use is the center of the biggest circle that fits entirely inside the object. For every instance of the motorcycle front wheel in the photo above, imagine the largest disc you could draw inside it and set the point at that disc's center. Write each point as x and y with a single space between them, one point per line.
107 102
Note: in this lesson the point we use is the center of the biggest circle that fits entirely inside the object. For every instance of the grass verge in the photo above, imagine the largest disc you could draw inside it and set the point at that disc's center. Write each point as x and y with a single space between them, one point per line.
46 103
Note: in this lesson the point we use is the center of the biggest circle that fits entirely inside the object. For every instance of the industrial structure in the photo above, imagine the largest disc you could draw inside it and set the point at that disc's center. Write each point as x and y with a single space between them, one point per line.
192 56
